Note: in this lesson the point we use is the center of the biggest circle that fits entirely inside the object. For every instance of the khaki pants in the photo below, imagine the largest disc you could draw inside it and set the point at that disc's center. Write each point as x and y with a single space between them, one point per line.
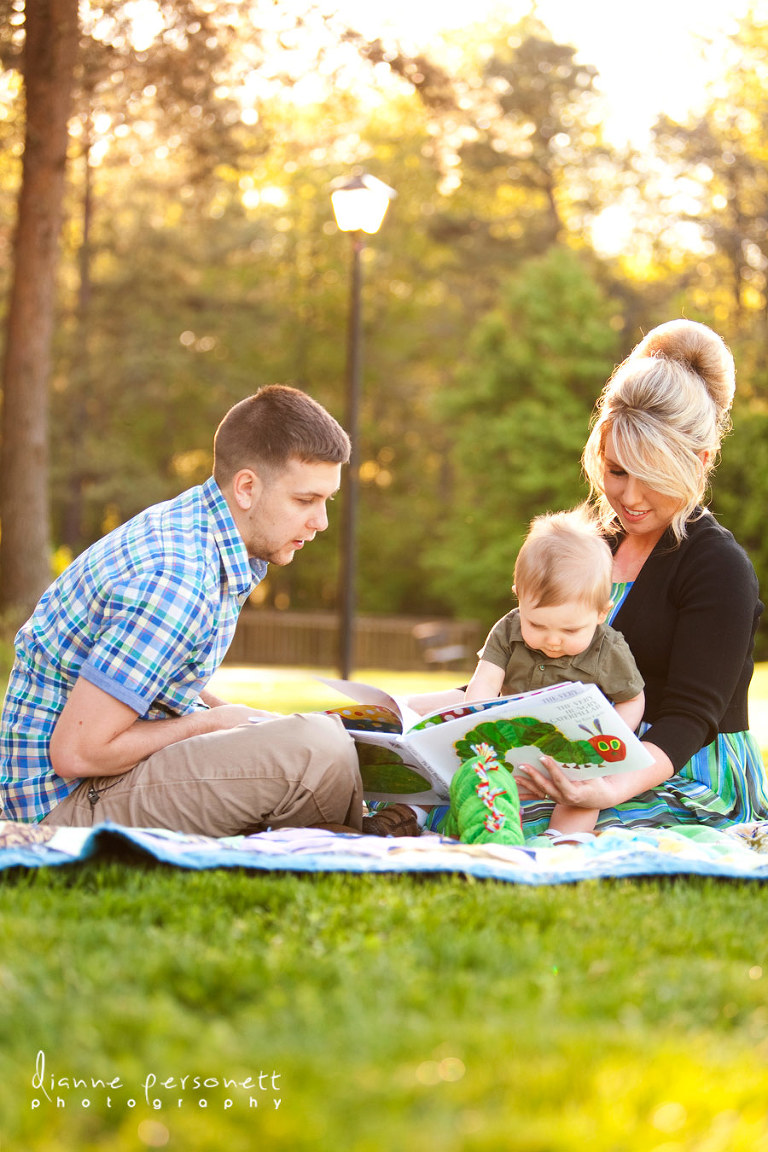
294 771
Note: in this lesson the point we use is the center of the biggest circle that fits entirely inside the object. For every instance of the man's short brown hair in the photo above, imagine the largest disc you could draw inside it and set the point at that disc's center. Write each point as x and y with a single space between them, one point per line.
275 425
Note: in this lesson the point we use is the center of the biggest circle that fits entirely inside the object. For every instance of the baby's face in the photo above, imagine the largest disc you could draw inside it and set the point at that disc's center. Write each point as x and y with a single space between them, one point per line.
561 629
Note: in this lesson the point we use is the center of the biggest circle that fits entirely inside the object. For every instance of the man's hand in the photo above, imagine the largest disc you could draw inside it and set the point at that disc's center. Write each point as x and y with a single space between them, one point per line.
254 715
231 715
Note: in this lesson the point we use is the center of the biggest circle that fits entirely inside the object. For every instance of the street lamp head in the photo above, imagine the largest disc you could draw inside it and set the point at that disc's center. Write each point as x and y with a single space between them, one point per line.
360 204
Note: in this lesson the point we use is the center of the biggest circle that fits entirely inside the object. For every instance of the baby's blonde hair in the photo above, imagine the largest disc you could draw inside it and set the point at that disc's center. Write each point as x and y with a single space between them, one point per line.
564 558
667 407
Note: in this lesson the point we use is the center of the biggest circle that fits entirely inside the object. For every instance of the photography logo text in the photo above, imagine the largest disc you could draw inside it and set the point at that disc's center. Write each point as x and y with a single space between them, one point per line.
158 1089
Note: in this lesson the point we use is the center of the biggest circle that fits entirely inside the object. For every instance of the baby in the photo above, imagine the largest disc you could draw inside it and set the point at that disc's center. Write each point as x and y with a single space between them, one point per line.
558 632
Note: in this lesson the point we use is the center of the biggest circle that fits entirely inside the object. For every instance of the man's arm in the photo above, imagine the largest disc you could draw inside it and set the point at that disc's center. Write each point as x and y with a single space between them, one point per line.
97 735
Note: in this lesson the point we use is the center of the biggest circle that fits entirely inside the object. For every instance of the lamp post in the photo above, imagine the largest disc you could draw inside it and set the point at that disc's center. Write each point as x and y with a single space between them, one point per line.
359 206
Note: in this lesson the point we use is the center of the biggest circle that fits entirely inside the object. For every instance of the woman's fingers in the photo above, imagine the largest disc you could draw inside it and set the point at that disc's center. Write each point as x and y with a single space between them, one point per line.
533 784
556 786
559 787
548 782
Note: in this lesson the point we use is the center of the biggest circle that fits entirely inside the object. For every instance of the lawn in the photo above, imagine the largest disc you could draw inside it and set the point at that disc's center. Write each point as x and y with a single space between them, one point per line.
234 1011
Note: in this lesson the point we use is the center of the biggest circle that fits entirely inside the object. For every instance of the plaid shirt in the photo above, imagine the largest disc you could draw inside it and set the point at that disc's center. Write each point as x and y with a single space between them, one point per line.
146 614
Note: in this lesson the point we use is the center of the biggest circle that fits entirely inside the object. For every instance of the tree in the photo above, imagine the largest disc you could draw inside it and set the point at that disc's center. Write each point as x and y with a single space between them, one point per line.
526 174
130 103
716 181
740 488
50 54
519 415
187 83
208 263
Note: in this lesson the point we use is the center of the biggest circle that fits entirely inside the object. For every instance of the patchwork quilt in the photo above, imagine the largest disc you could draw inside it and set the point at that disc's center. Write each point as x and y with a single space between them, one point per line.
740 852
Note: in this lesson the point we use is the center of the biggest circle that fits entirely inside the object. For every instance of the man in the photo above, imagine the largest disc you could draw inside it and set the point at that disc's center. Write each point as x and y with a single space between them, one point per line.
107 714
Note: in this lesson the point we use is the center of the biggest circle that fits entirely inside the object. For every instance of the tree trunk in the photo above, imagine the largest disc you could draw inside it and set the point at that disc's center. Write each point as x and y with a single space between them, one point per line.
80 369
50 55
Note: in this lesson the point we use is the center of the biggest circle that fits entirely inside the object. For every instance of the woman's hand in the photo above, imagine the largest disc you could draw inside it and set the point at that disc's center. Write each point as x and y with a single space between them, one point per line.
602 792
533 784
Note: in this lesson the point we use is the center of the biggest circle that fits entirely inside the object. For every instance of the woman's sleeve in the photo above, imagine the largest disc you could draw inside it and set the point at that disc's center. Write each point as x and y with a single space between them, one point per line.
715 601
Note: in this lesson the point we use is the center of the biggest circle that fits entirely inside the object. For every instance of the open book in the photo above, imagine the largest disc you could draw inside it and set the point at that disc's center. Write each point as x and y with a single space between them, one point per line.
404 756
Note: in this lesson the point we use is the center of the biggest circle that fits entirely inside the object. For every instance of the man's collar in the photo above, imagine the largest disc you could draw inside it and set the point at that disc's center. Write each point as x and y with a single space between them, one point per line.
242 572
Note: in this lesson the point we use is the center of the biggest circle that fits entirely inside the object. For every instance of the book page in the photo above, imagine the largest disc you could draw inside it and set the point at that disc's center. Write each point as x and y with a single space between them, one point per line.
391 770
368 694
573 723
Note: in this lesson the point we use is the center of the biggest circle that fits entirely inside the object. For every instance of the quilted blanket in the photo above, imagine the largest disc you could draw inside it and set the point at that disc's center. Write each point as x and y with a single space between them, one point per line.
739 852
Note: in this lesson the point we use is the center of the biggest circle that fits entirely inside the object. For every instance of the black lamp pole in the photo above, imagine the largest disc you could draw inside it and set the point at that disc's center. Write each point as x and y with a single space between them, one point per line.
349 510
359 206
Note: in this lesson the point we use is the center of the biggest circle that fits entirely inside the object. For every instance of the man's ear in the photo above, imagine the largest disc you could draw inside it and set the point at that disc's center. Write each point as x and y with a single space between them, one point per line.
246 488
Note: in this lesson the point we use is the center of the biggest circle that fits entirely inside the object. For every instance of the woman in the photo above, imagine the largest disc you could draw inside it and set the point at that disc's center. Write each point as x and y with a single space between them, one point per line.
685 594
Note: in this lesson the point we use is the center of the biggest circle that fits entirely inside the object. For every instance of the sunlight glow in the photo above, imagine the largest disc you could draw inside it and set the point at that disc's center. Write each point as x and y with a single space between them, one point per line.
146 22
652 58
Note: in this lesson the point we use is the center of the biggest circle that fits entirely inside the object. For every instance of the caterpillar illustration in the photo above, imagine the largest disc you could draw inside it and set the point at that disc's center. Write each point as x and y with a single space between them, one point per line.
611 748
525 731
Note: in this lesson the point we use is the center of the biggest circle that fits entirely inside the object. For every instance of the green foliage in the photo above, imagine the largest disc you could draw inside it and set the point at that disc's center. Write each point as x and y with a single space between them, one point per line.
211 265
716 186
740 490
7 632
529 160
519 413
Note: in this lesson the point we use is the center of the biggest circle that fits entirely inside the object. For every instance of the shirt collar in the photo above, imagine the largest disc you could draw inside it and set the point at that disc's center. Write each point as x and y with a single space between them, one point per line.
242 572
515 627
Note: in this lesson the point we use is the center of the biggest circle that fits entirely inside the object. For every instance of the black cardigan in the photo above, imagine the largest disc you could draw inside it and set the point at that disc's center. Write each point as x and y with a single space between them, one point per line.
690 620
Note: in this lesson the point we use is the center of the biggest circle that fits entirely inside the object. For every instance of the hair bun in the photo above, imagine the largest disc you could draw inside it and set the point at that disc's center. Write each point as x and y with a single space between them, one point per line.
701 350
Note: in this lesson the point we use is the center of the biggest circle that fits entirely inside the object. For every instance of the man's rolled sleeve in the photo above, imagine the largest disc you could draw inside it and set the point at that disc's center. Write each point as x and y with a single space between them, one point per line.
152 625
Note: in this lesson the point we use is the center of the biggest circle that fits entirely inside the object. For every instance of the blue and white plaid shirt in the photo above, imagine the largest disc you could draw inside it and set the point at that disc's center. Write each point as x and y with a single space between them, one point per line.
146 614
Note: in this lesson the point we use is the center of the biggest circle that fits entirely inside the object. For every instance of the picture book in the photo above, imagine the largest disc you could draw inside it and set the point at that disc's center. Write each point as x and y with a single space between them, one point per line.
404 756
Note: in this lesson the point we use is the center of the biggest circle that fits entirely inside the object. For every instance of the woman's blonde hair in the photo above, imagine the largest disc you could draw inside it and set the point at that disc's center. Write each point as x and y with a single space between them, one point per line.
564 557
667 407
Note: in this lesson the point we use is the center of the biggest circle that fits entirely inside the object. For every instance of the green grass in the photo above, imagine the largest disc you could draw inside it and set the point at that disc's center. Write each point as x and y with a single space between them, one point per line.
398 1013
